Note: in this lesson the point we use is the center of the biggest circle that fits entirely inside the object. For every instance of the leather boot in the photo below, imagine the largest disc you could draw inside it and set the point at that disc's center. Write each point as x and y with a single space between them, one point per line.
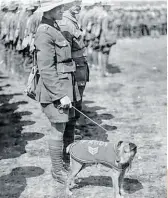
68 138
56 153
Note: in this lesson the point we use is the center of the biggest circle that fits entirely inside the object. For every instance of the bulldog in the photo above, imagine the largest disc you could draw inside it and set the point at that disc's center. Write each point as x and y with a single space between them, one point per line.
116 158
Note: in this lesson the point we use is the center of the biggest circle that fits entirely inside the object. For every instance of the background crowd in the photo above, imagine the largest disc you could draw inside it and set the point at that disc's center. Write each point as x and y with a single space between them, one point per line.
102 24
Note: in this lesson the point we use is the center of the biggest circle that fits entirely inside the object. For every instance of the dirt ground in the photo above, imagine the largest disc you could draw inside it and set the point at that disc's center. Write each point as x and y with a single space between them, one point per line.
131 105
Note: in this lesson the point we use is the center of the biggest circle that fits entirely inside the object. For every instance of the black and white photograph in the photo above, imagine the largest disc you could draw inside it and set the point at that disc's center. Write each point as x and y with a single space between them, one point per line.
83 99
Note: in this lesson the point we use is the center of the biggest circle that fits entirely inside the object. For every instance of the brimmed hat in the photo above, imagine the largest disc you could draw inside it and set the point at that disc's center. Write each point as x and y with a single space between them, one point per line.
47 5
13 6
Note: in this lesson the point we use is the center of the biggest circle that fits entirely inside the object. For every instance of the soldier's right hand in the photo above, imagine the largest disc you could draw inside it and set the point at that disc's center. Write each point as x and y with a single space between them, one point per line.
66 102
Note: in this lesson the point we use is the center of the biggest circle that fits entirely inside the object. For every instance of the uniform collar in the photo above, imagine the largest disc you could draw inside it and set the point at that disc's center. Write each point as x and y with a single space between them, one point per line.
70 16
50 22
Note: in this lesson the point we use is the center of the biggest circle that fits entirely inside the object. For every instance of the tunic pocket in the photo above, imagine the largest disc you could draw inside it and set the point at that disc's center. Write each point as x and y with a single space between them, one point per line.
63 50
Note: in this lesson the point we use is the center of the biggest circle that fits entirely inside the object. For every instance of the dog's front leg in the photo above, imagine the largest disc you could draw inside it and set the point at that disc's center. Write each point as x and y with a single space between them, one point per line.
115 178
75 169
121 182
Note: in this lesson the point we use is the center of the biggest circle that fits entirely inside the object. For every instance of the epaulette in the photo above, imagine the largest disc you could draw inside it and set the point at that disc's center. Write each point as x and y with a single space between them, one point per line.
43 27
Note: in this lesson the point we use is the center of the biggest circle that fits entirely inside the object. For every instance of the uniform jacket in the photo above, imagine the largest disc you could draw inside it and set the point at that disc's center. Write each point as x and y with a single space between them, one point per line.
12 26
72 32
31 28
4 25
92 152
109 31
55 64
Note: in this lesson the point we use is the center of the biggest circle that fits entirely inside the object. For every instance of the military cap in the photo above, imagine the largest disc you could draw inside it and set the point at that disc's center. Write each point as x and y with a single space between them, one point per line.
47 5
13 6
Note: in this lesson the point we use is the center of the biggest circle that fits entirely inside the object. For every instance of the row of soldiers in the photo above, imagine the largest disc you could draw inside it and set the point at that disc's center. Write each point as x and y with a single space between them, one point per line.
102 25
128 21
18 24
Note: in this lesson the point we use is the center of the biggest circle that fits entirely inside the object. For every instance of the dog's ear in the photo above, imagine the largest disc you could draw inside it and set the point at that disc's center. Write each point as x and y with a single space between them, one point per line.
133 147
119 144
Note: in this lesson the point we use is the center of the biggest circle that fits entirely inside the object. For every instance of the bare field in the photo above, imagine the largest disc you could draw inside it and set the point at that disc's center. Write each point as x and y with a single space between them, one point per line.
131 105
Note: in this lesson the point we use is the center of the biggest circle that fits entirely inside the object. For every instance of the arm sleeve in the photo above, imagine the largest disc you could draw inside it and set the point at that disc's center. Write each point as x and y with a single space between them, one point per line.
46 61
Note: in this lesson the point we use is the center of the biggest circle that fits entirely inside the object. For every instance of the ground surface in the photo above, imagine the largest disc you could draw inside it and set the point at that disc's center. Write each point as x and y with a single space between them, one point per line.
131 105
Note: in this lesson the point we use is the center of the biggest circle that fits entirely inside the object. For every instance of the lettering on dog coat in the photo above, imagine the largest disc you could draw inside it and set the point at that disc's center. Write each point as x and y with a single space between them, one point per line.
92 152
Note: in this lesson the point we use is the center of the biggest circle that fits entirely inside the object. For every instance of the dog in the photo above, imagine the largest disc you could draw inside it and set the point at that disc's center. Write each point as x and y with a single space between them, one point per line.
117 159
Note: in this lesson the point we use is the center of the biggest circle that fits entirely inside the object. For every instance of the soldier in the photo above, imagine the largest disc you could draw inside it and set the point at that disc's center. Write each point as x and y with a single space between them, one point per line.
107 40
4 17
153 23
4 10
96 33
35 21
11 25
88 23
57 87
29 34
72 32
163 20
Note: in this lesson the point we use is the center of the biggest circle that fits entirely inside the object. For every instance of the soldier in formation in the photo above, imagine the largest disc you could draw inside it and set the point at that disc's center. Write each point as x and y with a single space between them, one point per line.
103 25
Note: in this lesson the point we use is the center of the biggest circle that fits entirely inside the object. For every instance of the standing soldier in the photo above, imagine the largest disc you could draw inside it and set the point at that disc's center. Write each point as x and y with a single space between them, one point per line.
4 17
57 87
96 33
163 20
71 31
11 25
3 12
88 23
29 34
107 40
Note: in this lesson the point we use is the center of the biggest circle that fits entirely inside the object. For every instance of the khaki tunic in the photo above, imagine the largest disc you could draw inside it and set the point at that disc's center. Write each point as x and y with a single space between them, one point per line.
55 64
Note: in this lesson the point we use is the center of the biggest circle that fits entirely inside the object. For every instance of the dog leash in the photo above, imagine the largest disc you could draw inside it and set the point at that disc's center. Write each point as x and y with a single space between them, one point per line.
90 119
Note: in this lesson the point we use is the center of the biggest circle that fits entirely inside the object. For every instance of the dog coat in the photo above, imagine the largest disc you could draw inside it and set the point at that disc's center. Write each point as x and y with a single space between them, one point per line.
93 152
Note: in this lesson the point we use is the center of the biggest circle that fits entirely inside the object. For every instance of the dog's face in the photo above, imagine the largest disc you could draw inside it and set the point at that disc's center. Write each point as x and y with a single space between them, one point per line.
125 152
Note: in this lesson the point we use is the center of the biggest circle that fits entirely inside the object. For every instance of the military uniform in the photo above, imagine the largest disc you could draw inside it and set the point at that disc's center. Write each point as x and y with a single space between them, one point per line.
22 21
107 39
73 34
55 65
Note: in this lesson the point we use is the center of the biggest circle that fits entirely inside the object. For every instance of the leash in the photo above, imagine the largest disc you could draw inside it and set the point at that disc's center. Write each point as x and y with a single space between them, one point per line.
90 119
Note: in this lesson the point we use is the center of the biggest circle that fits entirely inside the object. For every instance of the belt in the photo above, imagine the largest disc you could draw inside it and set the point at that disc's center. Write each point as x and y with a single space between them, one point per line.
69 60
66 66
79 53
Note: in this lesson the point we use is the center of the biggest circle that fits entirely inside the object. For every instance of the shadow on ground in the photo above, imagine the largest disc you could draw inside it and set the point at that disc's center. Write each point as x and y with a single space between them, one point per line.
15 182
130 185
113 69
12 141
88 129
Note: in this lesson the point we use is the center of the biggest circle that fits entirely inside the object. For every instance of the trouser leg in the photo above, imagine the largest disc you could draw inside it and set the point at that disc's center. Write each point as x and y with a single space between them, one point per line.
104 64
95 58
6 55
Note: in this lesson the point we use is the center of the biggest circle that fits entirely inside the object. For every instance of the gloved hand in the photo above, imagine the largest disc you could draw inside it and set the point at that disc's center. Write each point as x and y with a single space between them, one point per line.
66 102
